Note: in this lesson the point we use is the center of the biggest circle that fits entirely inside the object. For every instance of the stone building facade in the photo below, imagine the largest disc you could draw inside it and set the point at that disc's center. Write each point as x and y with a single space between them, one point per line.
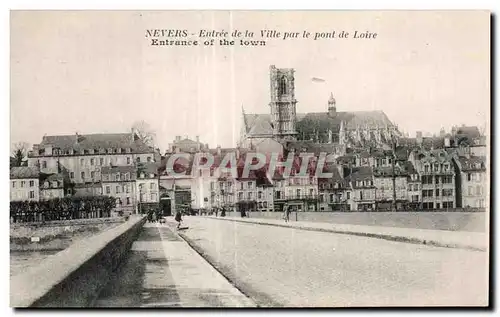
24 184
437 175
471 181
120 182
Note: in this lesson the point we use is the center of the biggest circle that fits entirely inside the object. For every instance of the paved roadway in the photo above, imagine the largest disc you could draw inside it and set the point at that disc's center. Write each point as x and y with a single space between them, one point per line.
290 267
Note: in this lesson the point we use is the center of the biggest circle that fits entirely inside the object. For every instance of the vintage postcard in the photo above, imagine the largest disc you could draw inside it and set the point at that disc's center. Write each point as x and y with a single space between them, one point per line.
250 159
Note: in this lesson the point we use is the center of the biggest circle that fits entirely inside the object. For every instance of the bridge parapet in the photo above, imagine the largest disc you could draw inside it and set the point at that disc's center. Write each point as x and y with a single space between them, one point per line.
74 276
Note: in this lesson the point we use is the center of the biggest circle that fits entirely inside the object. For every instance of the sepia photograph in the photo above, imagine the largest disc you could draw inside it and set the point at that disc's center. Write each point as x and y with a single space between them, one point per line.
250 159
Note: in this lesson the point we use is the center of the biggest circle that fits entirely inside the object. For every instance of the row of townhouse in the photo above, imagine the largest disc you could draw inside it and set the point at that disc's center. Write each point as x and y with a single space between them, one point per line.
130 186
117 165
364 180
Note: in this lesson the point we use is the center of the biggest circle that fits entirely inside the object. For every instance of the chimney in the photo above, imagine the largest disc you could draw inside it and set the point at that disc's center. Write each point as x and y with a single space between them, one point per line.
198 139
341 170
442 132
36 149
446 142
218 150
76 137
419 137
132 133
237 153
177 138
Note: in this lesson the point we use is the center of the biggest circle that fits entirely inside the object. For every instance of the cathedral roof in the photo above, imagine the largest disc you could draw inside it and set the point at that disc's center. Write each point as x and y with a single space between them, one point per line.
260 124
352 120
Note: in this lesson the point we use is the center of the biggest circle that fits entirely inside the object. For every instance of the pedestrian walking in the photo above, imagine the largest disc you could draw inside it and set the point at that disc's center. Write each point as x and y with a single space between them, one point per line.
286 213
178 218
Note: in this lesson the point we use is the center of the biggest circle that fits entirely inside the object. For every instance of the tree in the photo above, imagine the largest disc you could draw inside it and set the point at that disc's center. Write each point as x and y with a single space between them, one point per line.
145 133
19 153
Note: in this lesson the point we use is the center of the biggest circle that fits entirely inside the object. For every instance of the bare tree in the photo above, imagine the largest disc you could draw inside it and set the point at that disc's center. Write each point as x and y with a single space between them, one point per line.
145 132
19 153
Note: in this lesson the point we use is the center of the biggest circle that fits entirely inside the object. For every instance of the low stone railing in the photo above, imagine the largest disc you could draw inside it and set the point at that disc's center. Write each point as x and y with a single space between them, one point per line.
74 276
434 220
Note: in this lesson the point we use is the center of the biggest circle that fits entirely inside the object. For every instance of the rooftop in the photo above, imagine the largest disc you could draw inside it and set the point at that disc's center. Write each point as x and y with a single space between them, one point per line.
20 172
79 143
472 163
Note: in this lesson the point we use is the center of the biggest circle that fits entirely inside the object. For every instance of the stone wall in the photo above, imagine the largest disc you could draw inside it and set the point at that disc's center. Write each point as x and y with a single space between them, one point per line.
57 235
74 277
455 221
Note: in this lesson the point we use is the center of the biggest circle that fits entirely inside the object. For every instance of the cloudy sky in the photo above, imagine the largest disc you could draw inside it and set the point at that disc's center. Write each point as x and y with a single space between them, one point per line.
93 72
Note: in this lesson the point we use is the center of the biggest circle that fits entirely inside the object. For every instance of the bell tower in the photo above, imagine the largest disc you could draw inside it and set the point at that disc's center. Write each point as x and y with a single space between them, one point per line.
283 102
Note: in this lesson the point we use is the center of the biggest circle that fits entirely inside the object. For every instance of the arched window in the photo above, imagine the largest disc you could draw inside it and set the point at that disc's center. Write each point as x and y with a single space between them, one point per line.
282 85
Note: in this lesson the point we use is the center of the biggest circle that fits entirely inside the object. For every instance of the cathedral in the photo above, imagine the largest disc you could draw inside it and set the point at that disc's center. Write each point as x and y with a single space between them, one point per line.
341 130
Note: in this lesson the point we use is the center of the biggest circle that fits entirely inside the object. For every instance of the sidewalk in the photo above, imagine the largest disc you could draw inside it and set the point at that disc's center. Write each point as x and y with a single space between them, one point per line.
451 239
164 271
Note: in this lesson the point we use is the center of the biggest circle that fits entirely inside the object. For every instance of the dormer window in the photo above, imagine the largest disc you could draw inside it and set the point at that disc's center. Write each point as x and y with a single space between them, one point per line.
91 151
142 175
128 150
151 175
118 150
117 176
55 184
110 151
102 151
46 184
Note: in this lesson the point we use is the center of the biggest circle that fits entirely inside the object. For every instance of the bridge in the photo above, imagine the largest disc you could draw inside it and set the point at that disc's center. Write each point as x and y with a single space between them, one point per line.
262 262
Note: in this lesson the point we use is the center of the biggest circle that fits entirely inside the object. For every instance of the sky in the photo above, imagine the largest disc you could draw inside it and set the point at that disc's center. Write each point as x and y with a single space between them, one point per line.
96 72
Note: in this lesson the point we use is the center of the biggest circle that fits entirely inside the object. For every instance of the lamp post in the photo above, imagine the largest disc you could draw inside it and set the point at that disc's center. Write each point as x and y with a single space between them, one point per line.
140 199
394 173
223 200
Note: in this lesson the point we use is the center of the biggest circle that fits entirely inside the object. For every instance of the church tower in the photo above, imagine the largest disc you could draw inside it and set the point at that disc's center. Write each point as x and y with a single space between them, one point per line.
283 102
